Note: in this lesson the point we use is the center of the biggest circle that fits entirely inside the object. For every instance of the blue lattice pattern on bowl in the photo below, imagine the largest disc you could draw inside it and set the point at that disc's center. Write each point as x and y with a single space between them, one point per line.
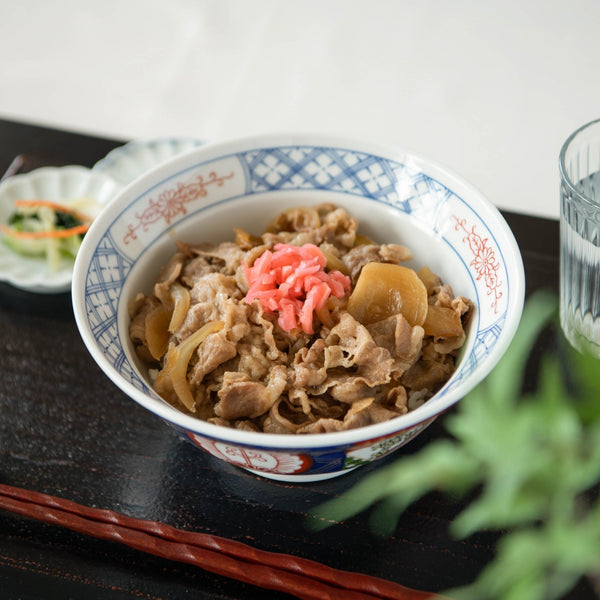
190 189
340 170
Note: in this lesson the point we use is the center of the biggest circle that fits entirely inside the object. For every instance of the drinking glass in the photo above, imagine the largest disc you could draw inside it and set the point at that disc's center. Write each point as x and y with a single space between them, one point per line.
580 238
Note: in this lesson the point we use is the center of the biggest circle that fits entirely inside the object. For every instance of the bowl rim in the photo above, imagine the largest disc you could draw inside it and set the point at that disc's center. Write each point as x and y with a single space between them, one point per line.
290 442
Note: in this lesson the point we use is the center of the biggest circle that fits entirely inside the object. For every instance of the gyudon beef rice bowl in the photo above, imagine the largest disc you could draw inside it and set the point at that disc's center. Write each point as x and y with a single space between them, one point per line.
308 328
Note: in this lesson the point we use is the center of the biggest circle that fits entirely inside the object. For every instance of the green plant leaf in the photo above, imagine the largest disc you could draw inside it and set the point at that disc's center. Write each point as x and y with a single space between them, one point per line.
532 457
505 381
440 466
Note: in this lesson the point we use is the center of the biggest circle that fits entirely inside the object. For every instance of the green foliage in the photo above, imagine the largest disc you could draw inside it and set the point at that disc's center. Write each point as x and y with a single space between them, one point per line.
528 460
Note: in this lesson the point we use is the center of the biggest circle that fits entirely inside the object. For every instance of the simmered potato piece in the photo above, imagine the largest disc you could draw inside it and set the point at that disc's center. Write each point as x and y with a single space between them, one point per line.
442 322
385 289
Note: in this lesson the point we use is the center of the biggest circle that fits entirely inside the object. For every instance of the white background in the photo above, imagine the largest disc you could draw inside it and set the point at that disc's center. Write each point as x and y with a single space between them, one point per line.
489 89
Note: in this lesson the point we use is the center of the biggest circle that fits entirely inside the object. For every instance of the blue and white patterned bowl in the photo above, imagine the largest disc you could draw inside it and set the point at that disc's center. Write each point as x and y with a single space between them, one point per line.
203 194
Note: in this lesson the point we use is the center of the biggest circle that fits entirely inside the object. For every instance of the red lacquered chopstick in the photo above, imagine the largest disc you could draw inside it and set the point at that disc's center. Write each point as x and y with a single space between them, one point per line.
302 578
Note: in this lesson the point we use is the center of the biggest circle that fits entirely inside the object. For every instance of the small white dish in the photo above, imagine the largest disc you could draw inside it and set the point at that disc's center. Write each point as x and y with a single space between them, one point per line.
127 162
58 184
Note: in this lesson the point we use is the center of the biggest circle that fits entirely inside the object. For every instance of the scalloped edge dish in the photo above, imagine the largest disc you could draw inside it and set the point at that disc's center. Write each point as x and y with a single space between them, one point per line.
57 184
126 163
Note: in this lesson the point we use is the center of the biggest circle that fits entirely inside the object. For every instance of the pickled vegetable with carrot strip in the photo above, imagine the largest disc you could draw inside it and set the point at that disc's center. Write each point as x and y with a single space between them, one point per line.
44 228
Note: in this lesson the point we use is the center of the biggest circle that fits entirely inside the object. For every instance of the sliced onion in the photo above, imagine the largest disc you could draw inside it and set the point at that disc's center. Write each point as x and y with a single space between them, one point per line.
157 334
442 322
333 262
181 305
429 278
178 358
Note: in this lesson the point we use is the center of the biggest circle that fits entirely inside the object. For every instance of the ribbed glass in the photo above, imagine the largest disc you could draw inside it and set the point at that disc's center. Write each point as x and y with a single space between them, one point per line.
580 238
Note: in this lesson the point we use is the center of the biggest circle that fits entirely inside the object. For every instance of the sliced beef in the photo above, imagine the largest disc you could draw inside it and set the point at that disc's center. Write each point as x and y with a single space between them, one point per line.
241 397
254 376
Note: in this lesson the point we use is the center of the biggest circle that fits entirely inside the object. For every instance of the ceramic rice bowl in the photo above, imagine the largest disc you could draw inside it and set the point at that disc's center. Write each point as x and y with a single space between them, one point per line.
203 194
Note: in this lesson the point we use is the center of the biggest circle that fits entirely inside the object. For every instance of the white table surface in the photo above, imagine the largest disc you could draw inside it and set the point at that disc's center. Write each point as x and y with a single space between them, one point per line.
489 89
